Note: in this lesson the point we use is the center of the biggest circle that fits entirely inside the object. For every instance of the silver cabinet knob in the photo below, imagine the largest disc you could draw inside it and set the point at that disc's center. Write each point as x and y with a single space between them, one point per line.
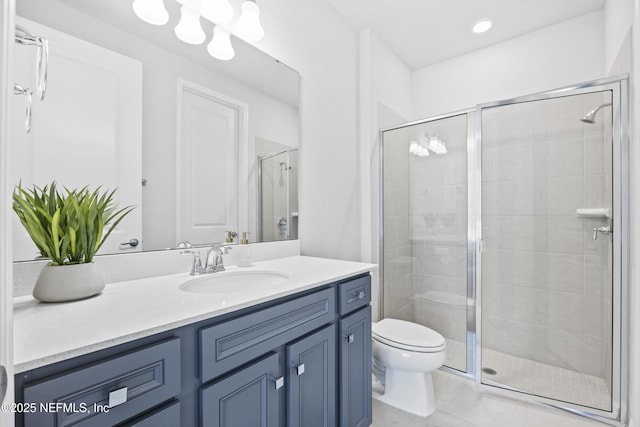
300 369
279 382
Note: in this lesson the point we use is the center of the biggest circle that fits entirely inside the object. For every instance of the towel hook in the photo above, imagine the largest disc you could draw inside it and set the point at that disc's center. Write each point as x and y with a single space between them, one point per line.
19 90
26 37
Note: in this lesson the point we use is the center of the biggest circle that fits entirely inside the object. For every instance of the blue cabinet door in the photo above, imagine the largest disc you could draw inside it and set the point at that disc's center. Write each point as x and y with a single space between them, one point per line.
247 398
311 394
355 369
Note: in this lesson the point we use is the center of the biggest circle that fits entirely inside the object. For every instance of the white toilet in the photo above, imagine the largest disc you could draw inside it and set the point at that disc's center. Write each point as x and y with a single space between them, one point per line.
404 355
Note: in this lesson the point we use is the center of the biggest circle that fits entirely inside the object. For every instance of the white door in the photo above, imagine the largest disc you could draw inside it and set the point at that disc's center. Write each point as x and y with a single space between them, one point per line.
87 130
210 127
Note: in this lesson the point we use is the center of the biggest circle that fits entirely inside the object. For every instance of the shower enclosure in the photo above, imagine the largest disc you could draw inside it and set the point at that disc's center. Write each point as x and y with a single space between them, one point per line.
278 196
503 230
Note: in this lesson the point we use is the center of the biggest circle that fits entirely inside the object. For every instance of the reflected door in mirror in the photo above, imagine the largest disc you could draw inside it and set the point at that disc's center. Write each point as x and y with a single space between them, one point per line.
86 132
209 128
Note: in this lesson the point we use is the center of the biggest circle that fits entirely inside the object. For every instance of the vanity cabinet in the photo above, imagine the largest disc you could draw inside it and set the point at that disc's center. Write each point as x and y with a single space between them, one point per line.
248 397
354 364
354 375
303 360
311 385
108 392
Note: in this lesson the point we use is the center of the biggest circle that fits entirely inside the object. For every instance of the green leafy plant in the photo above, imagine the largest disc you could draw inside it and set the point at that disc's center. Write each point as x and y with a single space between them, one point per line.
68 227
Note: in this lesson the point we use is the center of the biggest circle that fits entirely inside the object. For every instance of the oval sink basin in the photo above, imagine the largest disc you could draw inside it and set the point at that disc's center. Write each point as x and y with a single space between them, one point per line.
228 282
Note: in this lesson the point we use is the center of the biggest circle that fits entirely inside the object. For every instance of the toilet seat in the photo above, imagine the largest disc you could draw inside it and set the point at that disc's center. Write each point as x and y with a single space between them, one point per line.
407 336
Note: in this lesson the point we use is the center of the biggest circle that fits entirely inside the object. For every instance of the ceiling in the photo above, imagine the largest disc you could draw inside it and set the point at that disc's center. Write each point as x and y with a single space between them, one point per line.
425 32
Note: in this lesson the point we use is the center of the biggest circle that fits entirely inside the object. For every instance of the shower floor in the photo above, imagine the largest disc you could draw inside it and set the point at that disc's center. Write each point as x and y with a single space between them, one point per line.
536 378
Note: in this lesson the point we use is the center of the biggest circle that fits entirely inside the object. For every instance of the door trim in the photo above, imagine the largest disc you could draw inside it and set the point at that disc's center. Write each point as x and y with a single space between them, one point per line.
7 13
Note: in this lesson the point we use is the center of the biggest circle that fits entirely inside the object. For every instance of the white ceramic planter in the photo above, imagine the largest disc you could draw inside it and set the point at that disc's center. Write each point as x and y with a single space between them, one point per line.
68 282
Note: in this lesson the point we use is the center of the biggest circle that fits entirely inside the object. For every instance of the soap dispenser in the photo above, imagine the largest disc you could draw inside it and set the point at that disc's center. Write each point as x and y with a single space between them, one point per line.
244 251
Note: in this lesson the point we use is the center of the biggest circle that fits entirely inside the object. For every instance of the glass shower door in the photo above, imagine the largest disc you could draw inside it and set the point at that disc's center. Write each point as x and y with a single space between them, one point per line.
425 229
549 311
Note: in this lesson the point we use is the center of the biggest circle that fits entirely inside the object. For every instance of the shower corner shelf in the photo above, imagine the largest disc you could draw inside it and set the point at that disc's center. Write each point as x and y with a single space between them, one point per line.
593 212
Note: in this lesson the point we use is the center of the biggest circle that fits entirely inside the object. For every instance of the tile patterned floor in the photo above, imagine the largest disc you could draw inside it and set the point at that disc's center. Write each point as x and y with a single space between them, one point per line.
459 404
538 378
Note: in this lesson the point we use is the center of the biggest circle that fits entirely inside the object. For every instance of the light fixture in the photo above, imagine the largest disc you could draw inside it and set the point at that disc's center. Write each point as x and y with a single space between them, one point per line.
248 26
151 11
188 29
220 45
482 26
417 149
436 145
217 11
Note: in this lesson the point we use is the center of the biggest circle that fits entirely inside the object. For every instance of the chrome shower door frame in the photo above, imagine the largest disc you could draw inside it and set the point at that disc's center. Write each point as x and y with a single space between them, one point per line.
620 217
471 236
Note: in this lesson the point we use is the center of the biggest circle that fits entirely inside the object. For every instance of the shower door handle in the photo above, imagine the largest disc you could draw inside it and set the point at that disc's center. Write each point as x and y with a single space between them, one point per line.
604 230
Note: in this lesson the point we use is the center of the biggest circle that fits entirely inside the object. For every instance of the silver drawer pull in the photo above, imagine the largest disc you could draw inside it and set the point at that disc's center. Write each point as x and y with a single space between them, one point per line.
300 369
350 338
360 294
279 383
118 397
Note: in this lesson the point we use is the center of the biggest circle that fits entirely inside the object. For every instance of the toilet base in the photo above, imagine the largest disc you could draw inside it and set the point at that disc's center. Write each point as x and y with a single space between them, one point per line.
409 391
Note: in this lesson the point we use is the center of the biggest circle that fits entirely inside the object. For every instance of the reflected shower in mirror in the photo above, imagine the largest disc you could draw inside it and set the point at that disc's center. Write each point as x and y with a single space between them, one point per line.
129 106
277 191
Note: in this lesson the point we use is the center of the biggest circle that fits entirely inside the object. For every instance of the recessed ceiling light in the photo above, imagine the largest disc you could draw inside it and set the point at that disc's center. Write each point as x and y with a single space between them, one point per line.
482 26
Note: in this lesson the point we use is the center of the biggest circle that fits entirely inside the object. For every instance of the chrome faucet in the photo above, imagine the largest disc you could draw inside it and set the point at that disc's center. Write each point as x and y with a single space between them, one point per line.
214 261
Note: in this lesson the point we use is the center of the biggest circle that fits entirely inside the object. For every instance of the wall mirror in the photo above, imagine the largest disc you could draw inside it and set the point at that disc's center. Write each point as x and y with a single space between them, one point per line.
201 146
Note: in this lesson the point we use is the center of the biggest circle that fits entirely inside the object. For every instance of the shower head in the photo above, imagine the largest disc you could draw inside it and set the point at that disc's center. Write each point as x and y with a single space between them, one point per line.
590 117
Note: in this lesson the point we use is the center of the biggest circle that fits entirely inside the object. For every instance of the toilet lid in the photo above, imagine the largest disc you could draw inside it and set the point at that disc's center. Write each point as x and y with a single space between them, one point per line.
402 334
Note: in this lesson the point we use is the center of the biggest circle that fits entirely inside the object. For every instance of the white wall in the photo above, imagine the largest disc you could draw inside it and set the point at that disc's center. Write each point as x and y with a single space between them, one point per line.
559 55
618 18
313 38
622 38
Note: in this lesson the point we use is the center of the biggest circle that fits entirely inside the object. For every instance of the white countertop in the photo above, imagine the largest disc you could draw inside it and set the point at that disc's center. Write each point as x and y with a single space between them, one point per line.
46 333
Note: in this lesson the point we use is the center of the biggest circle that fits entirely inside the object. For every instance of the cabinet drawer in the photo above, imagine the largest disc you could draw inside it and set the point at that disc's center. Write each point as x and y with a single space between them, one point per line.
167 416
354 293
232 343
150 375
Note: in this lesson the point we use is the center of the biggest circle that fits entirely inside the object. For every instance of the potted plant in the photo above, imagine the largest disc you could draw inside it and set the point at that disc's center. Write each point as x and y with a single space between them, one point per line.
68 227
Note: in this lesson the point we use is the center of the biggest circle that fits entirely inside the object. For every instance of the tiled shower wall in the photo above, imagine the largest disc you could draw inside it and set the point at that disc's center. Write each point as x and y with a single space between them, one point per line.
546 292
